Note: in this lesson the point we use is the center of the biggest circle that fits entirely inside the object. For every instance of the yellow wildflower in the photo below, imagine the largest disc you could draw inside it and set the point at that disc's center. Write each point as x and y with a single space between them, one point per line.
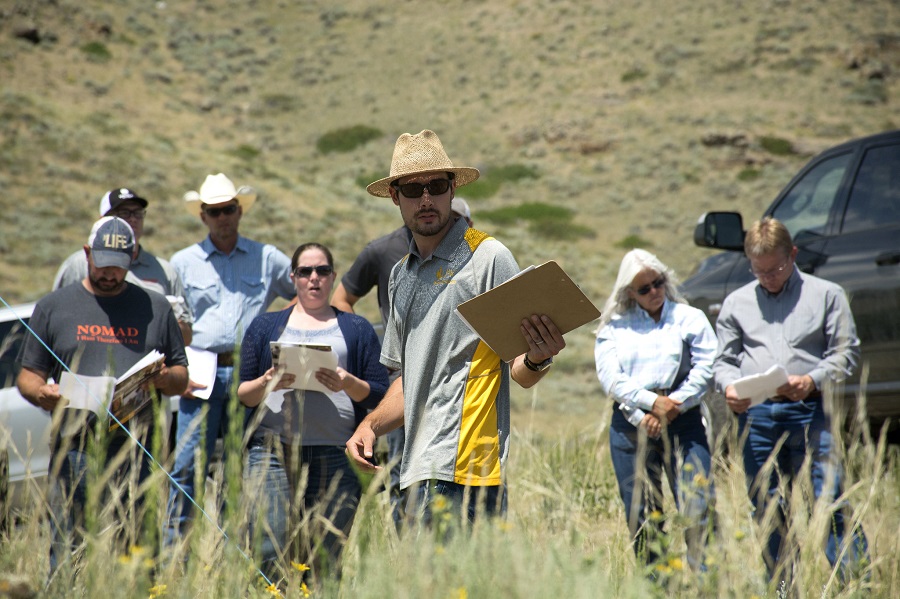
124 559
157 591
688 467
439 503
463 593
656 516
739 535
700 480
304 589
663 569
273 590
676 564
300 567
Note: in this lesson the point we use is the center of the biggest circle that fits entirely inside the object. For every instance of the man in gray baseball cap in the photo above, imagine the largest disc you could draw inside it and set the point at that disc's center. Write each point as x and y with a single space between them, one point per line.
146 270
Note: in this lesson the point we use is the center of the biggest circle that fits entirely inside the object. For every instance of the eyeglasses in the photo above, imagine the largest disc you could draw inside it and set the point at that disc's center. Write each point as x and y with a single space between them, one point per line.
303 272
645 289
435 187
766 274
137 214
226 210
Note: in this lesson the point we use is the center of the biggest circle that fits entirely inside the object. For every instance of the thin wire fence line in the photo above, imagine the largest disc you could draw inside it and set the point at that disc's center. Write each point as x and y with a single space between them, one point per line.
209 518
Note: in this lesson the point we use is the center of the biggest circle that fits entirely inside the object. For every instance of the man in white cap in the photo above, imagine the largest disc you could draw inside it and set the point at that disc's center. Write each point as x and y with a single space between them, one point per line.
453 391
146 270
460 209
101 326
228 281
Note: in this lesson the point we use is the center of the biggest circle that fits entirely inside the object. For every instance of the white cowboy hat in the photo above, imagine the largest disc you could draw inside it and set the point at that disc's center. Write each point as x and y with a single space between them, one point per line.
218 189
417 154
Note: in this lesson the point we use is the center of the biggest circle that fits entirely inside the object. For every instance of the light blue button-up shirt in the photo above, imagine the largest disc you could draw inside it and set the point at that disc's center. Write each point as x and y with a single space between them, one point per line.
227 291
635 355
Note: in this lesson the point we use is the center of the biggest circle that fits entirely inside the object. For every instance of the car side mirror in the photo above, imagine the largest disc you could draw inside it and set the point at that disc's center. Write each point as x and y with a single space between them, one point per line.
722 230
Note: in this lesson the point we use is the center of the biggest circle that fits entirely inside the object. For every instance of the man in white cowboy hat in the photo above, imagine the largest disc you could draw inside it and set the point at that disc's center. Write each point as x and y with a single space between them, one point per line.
147 270
228 280
453 391
101 326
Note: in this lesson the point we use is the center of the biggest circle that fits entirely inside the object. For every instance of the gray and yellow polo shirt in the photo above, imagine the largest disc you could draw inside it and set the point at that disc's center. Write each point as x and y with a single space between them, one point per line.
456 389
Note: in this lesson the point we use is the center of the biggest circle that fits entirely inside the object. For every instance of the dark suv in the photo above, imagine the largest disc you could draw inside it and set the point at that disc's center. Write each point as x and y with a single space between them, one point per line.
843 211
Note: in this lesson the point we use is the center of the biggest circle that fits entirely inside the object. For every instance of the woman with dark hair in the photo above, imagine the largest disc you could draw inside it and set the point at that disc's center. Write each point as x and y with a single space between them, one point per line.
654 356
296 438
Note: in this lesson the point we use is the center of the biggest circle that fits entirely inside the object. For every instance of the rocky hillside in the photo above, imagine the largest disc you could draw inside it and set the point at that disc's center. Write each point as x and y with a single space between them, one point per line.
630 117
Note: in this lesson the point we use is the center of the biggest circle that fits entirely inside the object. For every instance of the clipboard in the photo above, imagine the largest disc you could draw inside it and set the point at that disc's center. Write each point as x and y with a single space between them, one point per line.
496 315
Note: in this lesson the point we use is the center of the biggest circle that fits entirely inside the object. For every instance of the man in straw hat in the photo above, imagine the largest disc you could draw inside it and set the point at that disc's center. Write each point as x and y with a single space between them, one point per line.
228 280
101 326
453 391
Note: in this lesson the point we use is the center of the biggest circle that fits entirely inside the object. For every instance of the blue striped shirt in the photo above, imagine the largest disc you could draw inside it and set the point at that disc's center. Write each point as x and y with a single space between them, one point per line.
635 354
227 291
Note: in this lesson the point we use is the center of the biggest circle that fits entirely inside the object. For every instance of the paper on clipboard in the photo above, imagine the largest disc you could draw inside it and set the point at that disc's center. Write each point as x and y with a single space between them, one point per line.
303 360
759 387
201 370
496 315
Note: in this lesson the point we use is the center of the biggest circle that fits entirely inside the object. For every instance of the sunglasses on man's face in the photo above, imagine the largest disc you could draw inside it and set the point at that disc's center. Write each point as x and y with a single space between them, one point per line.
435 187
303 272
226 210
645 289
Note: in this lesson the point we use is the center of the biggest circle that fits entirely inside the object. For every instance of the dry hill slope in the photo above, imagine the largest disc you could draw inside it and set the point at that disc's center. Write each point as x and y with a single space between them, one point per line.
638 116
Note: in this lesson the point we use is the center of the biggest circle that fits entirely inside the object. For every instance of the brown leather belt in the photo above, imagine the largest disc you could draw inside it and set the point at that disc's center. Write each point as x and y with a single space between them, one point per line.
225 358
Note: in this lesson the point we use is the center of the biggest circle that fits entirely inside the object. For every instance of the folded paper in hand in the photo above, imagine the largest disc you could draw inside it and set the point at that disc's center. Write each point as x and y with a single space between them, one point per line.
303 360
759 387
122 396
497 314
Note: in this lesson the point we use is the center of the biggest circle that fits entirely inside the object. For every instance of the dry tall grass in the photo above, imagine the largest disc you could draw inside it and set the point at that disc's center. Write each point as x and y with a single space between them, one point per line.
565 536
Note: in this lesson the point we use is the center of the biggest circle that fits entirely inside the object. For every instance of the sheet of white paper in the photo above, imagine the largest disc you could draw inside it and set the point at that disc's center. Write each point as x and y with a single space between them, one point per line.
275 400
87 392
202 370
303 362
759 387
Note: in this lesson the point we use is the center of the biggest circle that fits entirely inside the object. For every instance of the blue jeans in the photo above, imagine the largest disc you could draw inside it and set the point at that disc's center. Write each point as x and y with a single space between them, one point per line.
420 501
805 429
68 493
332 493
682 453
190 427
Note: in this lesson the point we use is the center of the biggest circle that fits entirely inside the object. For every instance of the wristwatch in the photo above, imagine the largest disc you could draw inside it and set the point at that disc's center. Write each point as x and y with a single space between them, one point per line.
539 367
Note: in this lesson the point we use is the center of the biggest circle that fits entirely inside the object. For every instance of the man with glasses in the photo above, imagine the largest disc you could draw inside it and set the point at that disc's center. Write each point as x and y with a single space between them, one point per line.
802 323
453 391
147 270
228 280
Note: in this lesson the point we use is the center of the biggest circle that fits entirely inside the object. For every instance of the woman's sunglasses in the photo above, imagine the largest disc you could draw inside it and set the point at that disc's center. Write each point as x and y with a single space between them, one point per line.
303 272
645 289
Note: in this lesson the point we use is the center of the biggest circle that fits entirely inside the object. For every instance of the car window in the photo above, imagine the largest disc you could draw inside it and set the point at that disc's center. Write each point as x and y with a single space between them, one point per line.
805 208
875 196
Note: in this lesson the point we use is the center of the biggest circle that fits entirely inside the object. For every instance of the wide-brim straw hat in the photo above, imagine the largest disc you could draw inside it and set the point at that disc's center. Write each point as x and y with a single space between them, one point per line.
420 154
218 189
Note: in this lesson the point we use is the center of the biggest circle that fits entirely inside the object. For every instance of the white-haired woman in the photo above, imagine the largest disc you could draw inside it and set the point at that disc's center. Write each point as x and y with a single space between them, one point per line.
654 356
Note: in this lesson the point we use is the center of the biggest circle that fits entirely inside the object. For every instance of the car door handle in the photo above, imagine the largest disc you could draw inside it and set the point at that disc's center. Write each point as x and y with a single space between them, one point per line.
888 258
